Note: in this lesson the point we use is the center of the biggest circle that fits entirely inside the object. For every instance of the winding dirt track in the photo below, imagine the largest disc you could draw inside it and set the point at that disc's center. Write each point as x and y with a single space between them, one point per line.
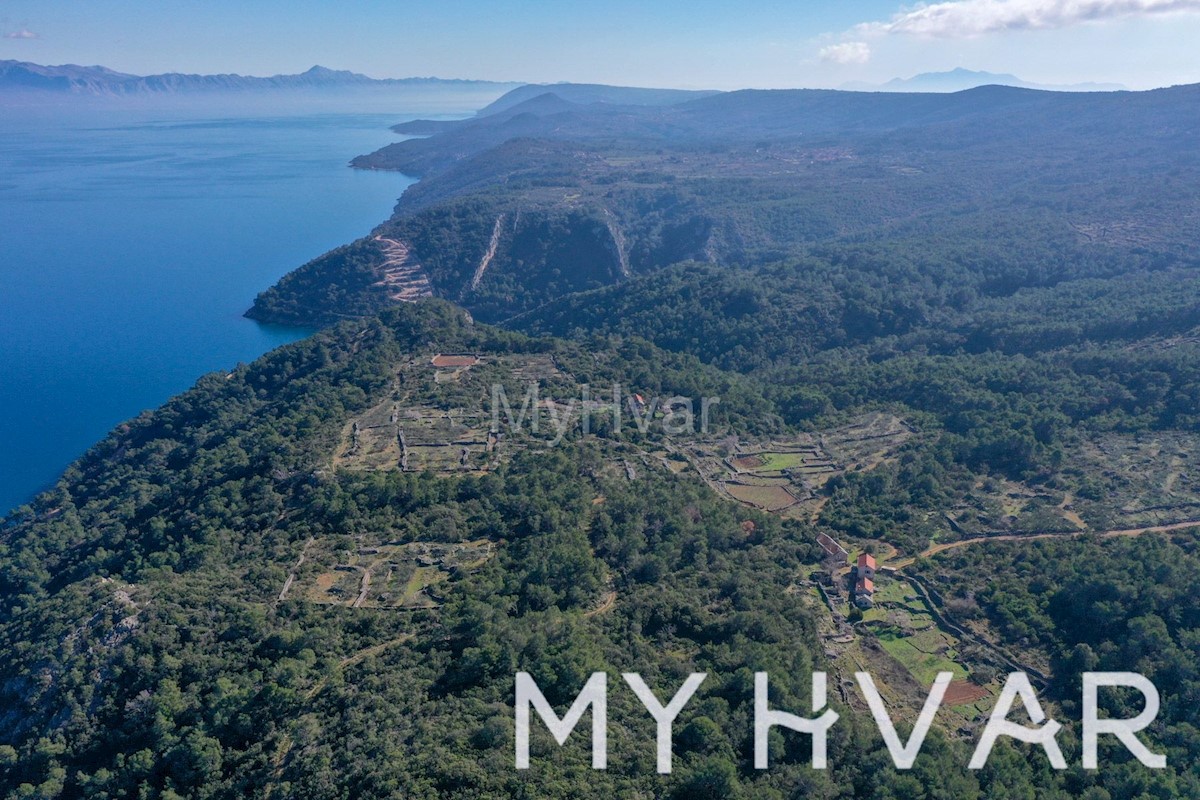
403 275
489 255
355 658
364 587
292 575
606 603
286 742
940 548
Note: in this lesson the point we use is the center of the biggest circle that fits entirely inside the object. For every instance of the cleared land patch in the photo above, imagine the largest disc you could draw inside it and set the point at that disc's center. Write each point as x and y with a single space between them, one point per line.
961 693
770 498
778 462
909 634
786 474
387 575
923 664
1139 480
454 360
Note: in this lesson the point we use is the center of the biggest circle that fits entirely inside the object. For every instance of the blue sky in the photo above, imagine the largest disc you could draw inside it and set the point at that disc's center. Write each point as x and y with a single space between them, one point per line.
700 43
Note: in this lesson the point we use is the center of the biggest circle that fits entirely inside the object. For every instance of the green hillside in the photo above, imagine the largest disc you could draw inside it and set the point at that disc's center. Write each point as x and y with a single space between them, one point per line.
986 192
244 594
959 332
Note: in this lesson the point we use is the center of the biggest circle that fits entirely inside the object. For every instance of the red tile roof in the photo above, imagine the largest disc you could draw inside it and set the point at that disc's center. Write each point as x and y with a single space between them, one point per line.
866 560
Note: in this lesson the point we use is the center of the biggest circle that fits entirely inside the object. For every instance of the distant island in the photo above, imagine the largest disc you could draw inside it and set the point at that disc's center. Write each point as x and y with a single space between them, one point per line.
25 77
957 80
99 81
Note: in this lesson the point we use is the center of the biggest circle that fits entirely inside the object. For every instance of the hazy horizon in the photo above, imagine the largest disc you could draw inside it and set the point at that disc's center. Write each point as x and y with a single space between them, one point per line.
708 44
916 82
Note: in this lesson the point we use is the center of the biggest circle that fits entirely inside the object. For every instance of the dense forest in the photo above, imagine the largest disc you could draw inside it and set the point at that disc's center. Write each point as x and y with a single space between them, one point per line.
1007 188
147 652
959 332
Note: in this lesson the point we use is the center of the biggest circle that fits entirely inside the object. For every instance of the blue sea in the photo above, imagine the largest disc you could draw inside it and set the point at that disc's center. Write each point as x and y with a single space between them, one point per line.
132 239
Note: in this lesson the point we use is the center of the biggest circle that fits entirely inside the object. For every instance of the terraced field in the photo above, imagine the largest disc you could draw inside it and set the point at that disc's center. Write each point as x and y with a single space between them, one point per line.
386 575
786 474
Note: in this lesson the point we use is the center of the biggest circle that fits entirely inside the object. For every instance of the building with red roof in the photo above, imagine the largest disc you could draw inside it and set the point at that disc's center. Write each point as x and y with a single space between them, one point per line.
864 581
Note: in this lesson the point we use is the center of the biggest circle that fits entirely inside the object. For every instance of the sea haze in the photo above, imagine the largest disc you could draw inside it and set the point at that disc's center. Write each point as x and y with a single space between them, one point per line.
133 238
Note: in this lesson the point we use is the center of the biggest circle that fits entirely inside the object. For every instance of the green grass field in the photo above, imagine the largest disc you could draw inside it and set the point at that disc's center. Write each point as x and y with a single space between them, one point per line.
911 651
777 462
925 652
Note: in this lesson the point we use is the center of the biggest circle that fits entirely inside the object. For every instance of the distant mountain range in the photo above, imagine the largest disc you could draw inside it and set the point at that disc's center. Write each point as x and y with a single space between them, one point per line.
22 76
957 80
25 77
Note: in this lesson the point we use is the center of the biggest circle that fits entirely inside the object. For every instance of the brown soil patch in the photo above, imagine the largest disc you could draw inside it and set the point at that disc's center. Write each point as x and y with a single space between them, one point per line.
960 693
443 360
748 462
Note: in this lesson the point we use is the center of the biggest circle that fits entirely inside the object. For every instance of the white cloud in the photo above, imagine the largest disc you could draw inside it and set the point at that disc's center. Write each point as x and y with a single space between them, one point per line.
966 18
847 53
24 33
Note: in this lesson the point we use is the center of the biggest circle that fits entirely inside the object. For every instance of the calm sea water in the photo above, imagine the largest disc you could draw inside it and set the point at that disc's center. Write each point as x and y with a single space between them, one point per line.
131 241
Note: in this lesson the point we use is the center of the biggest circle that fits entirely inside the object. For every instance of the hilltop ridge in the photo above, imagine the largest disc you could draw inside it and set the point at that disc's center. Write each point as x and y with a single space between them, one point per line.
553 196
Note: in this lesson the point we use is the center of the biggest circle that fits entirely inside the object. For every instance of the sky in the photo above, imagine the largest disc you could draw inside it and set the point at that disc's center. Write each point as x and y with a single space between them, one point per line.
691 44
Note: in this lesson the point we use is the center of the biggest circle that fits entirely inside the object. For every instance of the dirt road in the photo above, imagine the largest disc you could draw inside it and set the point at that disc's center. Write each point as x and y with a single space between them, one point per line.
1016 537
